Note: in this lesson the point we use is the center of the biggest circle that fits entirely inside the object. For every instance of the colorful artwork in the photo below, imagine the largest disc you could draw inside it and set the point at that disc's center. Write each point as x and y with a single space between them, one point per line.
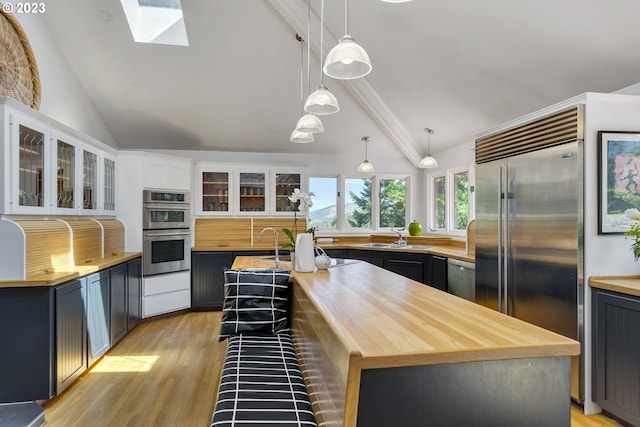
619 179
627 173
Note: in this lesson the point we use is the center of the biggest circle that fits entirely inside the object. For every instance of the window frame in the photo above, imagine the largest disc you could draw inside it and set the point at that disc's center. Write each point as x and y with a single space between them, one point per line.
450 202
375 201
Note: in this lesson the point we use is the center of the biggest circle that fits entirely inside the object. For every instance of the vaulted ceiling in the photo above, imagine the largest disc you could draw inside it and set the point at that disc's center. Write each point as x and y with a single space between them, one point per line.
458 67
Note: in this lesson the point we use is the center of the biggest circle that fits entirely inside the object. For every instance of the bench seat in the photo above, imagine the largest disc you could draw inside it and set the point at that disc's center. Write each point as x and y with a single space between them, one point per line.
261 384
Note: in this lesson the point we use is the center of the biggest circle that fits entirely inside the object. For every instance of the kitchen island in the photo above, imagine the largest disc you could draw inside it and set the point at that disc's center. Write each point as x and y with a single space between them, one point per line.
378 349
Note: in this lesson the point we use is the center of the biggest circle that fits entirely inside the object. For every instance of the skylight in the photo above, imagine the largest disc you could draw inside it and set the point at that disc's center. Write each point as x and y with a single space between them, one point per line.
156 21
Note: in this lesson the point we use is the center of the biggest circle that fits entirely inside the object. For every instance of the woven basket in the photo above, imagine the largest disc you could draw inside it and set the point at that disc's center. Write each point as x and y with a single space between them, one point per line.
19 78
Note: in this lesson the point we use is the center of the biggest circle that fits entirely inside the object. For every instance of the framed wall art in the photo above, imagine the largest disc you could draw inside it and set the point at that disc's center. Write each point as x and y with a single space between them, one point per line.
618 179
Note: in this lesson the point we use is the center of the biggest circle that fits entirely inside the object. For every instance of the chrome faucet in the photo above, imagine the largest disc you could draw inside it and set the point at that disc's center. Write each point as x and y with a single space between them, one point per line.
401 242
276 233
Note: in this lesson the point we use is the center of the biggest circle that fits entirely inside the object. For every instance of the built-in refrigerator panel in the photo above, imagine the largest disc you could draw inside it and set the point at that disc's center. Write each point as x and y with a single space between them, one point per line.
527 247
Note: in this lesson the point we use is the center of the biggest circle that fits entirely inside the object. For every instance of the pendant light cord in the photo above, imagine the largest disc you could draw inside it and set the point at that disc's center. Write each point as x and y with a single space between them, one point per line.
346 14
301 40
308 48
321 40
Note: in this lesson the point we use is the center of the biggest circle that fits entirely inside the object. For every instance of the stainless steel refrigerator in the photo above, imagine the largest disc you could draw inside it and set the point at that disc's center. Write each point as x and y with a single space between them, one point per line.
529 241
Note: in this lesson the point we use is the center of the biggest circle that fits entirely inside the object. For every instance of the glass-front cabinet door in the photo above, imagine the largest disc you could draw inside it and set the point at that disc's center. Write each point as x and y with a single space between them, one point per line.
214 190
66 167
108 183
30 166
284 184
89 180
252 187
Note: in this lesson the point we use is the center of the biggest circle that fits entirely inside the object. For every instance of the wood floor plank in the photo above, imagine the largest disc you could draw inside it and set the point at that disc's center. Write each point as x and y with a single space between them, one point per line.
165 373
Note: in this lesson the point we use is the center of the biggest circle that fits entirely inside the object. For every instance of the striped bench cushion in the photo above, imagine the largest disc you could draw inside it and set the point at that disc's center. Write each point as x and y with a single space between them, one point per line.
261 384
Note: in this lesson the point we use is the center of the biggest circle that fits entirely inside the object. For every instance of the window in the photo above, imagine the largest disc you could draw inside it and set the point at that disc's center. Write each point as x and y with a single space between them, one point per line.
156 21
439 203
323 213
354 203
450 204
460 200
357 203
392 203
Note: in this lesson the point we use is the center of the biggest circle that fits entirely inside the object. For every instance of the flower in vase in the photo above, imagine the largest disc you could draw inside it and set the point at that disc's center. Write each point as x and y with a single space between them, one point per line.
634 231
304 201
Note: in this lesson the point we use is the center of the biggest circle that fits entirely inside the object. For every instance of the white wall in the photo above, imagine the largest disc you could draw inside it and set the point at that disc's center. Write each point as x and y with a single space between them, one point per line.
604 254
457 157
63 97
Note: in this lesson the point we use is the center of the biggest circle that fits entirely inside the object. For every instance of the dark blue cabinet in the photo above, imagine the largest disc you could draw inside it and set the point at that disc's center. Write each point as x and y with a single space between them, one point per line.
616 352
134 292
27 328
118 296
71 333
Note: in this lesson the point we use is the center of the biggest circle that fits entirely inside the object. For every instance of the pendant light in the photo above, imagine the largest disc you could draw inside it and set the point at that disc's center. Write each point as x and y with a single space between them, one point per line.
428 161
365 166
321 102
309 122
348 60
296 135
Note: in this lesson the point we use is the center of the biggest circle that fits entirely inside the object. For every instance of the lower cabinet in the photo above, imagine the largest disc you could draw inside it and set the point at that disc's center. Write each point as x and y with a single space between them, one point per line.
616 352
134 292
98 315
118 310
71 333
51 334
207 276
27 351
438 271
408 264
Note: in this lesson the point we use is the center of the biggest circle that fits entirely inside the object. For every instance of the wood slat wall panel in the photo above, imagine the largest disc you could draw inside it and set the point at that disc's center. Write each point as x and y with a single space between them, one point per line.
48 246
324 361
222 232
552 130
87 240
277 223
113 233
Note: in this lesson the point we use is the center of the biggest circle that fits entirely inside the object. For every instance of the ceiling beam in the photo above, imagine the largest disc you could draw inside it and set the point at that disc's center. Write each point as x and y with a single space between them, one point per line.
295 13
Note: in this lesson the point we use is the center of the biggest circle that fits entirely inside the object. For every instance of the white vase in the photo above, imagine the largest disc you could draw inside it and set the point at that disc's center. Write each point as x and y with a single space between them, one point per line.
304 256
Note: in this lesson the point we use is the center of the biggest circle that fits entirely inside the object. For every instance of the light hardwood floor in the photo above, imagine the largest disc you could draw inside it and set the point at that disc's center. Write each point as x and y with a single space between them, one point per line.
165 373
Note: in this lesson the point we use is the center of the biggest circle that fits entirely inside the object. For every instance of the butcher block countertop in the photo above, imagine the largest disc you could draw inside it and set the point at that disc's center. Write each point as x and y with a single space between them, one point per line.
629 285
58 277
392 321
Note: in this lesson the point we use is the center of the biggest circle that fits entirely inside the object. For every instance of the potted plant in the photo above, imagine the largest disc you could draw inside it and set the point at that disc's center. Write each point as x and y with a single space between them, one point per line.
303 202
634 231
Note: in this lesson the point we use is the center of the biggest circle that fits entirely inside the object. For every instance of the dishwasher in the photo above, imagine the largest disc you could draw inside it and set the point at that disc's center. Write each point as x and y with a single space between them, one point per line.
461 278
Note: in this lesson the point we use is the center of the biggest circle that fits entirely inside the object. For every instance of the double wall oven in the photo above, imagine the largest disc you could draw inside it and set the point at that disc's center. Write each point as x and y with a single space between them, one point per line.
166 226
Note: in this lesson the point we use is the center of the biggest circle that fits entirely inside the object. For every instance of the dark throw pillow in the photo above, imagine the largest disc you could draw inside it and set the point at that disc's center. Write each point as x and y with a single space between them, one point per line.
255 302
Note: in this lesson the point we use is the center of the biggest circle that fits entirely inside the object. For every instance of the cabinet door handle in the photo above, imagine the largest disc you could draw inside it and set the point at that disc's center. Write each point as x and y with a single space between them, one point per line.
439 257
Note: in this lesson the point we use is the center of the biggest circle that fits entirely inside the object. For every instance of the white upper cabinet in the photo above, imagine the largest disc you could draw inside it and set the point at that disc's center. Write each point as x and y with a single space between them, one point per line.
166 172
48 168
220 190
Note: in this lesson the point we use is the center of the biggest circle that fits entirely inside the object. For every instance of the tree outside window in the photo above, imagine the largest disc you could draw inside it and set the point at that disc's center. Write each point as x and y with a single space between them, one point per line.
439 202
461 201
392 203
358 203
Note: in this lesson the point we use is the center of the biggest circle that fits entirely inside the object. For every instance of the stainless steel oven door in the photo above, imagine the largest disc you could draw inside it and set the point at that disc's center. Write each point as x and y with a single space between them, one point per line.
166 251
163 215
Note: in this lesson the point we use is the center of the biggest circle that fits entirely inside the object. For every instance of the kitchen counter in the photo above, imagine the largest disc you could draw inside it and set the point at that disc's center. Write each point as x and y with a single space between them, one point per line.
629 285
375 345
57 277
449 251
